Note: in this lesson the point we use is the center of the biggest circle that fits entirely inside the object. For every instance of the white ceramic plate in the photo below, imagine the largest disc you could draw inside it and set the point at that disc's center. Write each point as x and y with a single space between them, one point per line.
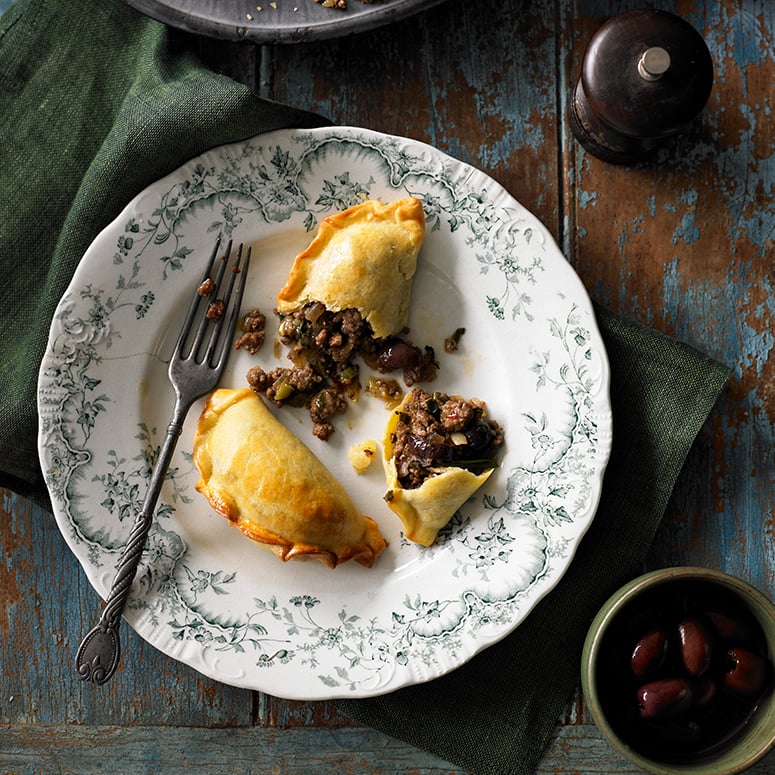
204 593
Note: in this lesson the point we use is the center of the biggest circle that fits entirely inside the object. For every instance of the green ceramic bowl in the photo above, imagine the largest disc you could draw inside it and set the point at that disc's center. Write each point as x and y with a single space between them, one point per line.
608 693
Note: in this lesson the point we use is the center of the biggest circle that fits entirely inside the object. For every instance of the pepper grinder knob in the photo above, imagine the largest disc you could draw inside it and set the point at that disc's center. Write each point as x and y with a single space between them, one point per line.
645 76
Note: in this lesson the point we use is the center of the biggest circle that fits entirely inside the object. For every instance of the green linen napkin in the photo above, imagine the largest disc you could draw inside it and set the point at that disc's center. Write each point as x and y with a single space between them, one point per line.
97 102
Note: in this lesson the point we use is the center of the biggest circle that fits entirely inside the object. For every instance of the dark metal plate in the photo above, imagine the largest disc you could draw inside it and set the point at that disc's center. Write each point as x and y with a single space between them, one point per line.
277 21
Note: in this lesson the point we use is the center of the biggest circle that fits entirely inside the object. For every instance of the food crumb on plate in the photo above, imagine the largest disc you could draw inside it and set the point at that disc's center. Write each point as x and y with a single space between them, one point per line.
362 455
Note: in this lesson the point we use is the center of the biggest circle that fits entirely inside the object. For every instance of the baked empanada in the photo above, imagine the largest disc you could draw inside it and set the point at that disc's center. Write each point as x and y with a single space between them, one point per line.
362 258
266 482
438 450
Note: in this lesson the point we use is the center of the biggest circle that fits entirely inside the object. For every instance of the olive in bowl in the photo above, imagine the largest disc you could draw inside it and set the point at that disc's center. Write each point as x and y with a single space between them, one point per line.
677 671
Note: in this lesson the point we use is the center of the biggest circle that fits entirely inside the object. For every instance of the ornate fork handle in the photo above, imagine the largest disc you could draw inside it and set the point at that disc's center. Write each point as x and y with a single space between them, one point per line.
98 655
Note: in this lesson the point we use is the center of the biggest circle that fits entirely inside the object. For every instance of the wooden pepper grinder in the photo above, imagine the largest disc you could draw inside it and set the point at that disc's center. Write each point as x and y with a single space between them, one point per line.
645 76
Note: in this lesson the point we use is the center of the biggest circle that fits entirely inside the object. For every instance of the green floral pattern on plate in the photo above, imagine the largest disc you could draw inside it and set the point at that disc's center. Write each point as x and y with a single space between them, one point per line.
534 353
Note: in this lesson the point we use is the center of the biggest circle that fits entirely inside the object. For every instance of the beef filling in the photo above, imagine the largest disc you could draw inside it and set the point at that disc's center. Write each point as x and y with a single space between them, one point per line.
323 346
253 334
436 430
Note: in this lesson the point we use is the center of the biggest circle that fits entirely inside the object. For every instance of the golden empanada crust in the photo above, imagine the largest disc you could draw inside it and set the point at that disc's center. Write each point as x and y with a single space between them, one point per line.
424 510
365 258
267 483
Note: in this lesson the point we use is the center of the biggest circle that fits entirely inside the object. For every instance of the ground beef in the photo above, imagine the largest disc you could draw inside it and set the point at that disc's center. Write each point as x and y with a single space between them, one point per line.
323 345
437 430
456 413
215 310
252 342
329 340
207 287
324 406
252 332
283 385
423 369
258 379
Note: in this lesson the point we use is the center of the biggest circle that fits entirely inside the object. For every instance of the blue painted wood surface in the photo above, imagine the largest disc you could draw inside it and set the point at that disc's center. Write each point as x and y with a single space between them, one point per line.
684 244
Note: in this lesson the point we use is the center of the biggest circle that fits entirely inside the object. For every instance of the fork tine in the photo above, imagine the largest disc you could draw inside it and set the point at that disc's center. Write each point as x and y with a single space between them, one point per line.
186 327
196 343
224 297
240 273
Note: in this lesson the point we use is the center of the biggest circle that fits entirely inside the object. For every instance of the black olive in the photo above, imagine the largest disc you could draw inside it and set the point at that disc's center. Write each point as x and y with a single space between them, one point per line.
423 449
397 355
479 437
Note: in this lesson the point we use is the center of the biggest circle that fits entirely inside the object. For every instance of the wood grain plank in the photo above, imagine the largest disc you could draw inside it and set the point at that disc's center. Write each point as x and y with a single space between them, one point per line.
681 243
581 749
282 714
574 750
101 750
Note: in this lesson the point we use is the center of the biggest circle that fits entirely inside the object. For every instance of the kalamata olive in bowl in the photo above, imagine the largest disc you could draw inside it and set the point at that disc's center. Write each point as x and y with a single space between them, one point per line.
677 672
649 653
696 645
747 672
665 699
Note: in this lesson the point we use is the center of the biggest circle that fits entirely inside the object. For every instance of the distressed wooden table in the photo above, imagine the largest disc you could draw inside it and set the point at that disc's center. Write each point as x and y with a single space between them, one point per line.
683 244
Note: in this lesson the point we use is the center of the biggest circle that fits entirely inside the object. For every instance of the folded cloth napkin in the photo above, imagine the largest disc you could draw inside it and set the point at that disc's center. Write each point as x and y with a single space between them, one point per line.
97 102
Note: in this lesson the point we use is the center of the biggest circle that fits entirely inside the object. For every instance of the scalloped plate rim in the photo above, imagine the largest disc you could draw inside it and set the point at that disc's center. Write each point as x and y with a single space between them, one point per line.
424 627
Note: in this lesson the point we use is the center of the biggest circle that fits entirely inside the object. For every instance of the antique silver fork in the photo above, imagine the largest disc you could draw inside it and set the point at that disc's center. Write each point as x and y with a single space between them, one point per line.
196 366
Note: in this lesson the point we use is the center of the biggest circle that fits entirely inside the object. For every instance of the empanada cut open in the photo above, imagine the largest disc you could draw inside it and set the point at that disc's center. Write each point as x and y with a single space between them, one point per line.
426 508
362 258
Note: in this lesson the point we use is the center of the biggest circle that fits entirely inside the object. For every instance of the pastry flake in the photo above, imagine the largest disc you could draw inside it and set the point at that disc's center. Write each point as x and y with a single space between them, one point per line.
438 450
362 258
268 484
362 455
